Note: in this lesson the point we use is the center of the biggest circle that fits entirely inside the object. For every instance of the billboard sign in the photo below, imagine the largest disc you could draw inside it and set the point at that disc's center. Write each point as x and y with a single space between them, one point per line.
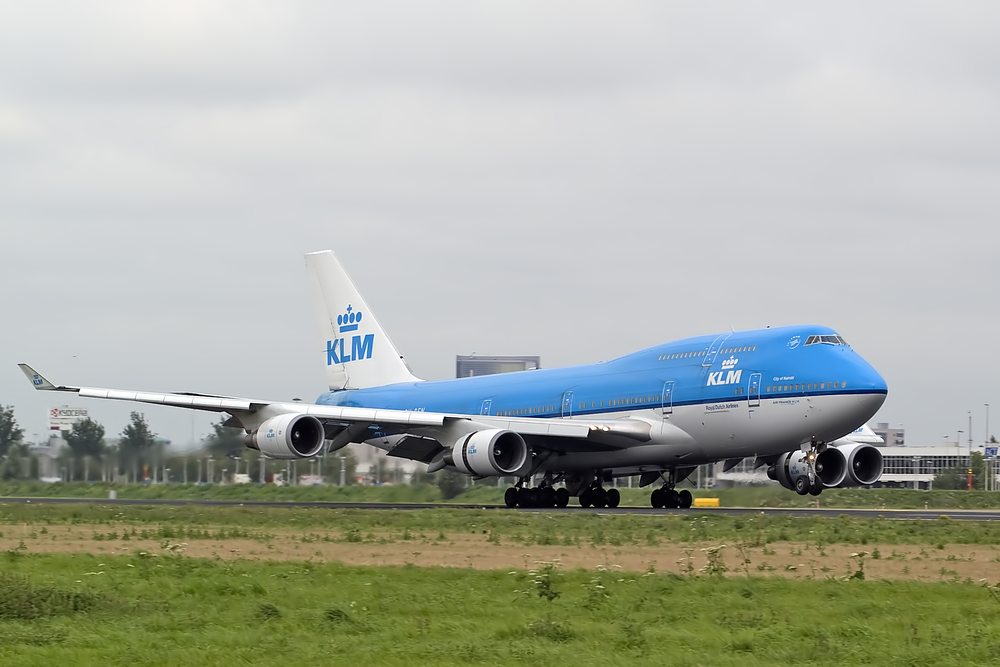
63 418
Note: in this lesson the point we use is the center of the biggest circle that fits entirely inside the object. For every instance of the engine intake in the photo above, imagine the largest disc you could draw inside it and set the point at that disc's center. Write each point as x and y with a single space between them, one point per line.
291 436
864 464
489 453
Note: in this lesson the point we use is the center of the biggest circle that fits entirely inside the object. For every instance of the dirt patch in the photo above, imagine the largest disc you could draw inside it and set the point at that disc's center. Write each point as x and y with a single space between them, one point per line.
791 559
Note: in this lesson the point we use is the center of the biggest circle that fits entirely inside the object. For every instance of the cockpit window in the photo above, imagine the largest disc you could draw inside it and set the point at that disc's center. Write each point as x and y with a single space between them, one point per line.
828 339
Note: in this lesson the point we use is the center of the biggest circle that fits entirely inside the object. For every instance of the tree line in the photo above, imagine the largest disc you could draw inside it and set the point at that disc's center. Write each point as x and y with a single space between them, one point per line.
139 455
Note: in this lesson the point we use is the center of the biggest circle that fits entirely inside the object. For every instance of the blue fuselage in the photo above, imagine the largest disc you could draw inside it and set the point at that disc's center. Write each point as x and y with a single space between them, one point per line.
734 368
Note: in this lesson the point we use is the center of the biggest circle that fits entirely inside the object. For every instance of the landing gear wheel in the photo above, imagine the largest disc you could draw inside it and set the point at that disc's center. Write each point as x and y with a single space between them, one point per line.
671 499
656 498
802 485
526 497
585 499
562 497
600 498
510 497
614 497
548 496
817 487
684 499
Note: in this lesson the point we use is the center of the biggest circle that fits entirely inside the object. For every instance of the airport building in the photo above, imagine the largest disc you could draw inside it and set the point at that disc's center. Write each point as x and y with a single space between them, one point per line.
892 437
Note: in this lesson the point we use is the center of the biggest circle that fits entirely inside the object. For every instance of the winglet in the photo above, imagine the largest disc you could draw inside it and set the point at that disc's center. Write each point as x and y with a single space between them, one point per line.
37 379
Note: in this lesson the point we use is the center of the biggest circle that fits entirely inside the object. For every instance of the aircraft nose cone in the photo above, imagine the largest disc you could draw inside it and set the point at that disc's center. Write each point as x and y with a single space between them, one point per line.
870 403
873 389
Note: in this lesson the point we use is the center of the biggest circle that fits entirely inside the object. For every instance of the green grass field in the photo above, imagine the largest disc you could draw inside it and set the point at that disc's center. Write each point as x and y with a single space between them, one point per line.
142 609
770 496
160 606
570 528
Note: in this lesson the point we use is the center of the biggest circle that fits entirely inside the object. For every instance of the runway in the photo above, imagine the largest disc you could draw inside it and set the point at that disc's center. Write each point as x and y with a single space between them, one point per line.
799 512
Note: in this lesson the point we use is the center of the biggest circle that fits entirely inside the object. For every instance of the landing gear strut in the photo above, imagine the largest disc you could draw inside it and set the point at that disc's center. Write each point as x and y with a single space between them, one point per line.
812 485
667 496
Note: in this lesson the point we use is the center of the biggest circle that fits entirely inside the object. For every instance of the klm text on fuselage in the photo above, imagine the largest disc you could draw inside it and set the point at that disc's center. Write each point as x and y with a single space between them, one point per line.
361 348
731 377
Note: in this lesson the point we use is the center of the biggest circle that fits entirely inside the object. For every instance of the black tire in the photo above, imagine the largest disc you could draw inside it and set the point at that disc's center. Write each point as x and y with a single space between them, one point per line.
548 496
600 498
817 487
656 498
510 497
671 499
585 499
562 497
802 485
684 499
525 498
614 497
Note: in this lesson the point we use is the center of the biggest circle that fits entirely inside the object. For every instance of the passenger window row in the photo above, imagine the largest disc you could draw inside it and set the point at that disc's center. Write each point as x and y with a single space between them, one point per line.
702 353
810 386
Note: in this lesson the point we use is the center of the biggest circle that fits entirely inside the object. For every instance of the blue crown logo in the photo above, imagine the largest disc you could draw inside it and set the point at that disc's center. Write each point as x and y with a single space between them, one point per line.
349 320
270 433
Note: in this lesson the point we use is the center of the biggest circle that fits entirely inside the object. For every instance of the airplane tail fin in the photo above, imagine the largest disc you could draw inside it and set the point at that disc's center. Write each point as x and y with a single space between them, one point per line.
357 351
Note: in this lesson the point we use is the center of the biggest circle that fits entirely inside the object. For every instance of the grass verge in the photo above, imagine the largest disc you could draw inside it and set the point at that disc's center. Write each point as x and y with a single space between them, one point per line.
183 611
488 494
118 522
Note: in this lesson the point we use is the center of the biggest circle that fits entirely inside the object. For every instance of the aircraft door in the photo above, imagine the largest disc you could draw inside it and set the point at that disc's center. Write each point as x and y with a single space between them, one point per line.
667 399
753 391
567 404
487 404
714 348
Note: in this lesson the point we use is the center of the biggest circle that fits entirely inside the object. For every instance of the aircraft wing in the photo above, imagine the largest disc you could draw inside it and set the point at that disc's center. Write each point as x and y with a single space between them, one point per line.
345 424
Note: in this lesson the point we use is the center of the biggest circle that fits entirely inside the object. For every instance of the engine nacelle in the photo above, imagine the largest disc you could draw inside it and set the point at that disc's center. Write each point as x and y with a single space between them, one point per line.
863 465
789 468
289 436
489 453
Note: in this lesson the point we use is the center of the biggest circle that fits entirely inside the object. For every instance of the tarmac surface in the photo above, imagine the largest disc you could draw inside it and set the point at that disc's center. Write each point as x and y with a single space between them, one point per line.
926 514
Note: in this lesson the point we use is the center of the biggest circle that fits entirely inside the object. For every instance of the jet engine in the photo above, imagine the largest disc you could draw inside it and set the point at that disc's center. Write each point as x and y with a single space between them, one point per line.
853 464
489 453
291 436
863 464
791 470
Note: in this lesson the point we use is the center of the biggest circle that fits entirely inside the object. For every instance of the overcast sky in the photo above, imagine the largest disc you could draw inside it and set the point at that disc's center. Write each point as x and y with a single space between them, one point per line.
575 180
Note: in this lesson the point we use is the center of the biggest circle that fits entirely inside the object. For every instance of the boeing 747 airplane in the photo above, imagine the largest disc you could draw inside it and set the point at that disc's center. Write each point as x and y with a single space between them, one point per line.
794 398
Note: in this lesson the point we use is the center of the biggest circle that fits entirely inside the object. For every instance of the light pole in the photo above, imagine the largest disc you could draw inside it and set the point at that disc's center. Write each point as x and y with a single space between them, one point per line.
970 432
959 443
987 440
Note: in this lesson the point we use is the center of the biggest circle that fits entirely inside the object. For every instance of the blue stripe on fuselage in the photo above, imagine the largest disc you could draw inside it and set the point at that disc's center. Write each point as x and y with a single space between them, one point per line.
637 380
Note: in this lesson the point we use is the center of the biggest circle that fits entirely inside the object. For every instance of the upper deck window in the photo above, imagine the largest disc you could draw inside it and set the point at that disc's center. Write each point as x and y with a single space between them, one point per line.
829 340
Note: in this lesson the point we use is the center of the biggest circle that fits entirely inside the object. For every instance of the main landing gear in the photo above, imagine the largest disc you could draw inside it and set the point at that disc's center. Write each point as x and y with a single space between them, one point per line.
598 496
671 498
541 496
667 496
